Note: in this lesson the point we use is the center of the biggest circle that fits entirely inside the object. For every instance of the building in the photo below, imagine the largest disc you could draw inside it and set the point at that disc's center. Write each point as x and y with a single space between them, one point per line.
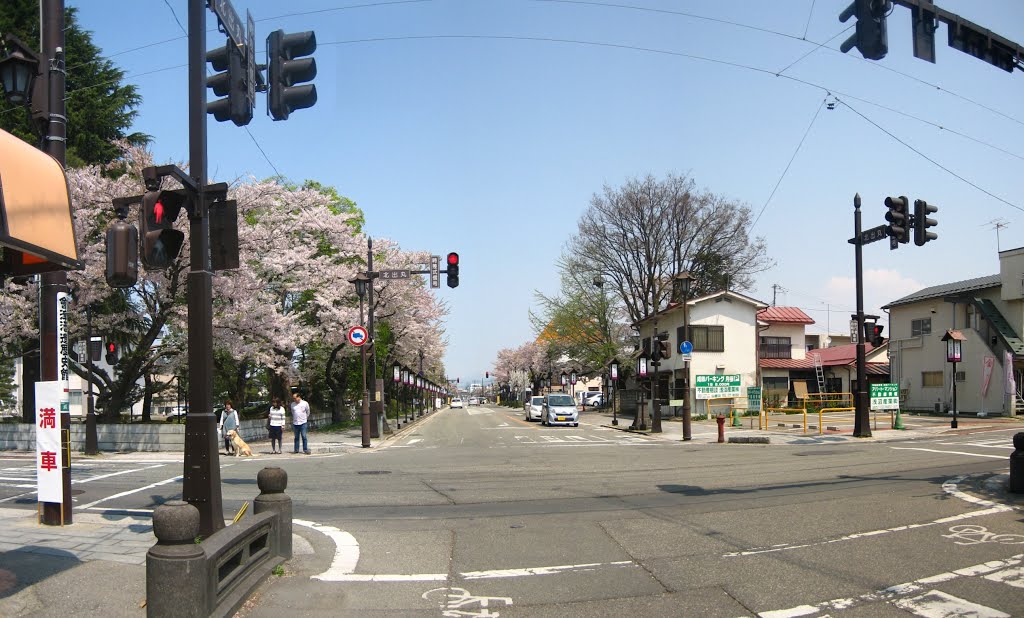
989 312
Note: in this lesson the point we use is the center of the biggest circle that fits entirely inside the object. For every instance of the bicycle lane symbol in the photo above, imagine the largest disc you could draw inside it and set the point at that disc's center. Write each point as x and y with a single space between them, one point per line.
459 602
975 535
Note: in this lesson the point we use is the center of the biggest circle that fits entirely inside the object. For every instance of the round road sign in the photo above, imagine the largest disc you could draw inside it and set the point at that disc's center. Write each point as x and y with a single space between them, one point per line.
685 347
357 335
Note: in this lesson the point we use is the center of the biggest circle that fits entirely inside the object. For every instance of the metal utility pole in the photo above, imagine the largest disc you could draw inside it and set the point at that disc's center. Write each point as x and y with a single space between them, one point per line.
861 424
201 487
375 425
53 361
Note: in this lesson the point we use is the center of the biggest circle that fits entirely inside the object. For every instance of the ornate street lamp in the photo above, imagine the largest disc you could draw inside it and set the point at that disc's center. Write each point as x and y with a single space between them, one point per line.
18 71
613 376
954 354
360 282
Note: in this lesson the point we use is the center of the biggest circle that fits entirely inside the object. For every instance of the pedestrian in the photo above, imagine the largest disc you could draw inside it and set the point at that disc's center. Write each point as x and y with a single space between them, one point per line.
300 422
228 421
275 424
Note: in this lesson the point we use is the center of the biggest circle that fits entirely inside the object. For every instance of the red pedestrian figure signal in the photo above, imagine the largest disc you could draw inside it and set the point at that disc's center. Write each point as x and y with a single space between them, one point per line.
158 212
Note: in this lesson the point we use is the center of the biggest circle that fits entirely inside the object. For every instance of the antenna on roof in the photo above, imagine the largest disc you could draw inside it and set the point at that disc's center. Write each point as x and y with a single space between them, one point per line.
998 224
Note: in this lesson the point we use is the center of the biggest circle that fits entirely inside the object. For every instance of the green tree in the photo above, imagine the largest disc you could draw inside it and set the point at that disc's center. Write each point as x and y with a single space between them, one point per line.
100 106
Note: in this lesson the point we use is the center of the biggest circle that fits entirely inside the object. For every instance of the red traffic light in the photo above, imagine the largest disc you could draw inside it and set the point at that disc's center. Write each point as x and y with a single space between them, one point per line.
453 258
111 347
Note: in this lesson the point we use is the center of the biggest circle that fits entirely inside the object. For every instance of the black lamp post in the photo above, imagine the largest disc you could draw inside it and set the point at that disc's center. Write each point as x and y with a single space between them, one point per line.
683 281
954 340
360 282
572 384
613 374
641 372
18 71
565 380
396 376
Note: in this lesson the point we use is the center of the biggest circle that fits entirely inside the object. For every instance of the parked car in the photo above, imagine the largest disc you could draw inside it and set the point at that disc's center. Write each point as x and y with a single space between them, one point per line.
457 403
560 409
593 399
535 409
473 401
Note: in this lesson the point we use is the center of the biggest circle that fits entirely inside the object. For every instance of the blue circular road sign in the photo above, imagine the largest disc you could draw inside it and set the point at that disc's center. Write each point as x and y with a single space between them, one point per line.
685 347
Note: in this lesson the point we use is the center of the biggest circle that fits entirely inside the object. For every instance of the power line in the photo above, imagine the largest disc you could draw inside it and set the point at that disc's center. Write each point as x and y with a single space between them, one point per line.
931 160
779 182
809 14
816 48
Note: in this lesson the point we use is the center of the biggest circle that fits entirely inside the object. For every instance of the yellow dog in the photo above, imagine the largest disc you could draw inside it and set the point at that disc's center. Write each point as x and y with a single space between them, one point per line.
241 448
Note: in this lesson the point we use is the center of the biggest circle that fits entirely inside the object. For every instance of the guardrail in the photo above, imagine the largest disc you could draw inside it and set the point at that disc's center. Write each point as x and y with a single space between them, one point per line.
766 416
191 577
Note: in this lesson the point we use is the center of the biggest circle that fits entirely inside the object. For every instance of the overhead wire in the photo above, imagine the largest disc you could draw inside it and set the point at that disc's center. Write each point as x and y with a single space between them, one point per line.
929 159
791 159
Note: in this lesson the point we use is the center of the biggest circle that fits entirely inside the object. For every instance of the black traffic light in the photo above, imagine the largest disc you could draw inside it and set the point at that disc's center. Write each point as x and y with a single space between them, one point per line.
230 82
921 222
874 333
122 255
453 270
898 218
870 37
111 356
95 349
286 67
161 243
665 350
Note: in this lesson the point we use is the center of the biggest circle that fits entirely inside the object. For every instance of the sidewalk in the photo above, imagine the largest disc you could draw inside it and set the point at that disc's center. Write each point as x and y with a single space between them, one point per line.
97 566
705 431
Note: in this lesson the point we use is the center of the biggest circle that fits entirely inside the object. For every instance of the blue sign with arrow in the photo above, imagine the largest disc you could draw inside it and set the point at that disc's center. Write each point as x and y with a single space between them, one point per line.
685 347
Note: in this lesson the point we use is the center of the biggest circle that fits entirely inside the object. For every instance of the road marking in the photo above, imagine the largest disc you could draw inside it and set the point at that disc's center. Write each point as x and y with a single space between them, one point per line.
932 450
990 570
346 556
106 476
132 491
939 604
979 444
950 487
1010 577
415 440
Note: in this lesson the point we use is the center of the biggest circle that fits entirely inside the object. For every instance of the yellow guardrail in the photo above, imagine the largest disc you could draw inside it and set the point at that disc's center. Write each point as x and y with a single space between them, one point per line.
823 411
766 413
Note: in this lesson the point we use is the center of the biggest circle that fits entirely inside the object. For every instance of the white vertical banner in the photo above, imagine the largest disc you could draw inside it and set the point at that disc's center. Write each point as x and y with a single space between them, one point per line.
1011 387
987 363
48 455
63 351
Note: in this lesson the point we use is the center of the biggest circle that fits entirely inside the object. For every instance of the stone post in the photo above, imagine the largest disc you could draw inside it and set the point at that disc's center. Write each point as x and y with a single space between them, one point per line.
272 483
1017 464
176 577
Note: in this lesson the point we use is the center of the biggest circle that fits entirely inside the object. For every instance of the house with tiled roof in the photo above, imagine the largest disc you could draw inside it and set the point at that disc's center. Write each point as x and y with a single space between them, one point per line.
788 368
989 311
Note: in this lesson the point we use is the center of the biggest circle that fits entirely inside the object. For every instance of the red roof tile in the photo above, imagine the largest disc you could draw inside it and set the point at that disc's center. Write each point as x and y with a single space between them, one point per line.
784 315
787 363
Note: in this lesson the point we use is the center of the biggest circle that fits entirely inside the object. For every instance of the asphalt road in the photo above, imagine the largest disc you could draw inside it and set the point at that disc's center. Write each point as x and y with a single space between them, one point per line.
476 512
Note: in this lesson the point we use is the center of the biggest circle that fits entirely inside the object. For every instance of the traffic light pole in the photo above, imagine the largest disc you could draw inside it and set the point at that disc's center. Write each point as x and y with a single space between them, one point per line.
861 424
202 466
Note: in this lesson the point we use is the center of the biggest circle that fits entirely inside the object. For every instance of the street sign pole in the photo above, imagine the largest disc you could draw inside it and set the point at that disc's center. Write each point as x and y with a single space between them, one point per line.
862 421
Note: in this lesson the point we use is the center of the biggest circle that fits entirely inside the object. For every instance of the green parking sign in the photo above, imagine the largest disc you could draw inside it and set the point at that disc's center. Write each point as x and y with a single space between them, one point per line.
718 386
885 396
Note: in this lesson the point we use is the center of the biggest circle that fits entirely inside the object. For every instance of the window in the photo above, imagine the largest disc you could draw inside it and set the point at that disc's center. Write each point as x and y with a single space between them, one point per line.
920 327
833 385
931 379
776 347
707 338
961 376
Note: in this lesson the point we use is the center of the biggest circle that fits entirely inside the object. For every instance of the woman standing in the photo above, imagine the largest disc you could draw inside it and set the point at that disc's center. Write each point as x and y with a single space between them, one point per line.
275 424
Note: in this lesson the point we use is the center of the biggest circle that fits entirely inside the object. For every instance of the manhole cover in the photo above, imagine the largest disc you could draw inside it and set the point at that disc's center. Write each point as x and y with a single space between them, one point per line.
374 472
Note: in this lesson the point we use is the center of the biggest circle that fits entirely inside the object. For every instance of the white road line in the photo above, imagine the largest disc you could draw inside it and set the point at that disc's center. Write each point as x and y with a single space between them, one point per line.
950 487
978 445
892 593
132 491
550 570
102 509
346 550
415 440
932 450
106 476
15 497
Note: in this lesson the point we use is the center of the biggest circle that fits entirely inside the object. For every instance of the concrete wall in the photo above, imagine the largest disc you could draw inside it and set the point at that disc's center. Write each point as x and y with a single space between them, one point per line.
168 437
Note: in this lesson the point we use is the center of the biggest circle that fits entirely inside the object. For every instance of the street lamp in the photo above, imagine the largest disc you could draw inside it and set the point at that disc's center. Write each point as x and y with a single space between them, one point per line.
613 371
18 71
681 283
572 381
953 339
565 379
641 372
396 376
360 282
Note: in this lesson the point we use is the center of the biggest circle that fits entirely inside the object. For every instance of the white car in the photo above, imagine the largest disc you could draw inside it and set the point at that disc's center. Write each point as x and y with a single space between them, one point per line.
535 409
473 401
457 403
560 409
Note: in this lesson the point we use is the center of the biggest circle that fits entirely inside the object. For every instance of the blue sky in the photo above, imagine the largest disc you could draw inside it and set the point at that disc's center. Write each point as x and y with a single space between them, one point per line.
484 127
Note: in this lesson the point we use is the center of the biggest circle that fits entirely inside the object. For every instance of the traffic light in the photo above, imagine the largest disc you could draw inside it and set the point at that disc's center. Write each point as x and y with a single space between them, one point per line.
161 243
921 222
898 218
122 255
95 349
111 356
231 82
664 349
453 270
487 374
287 68
874 334
870 37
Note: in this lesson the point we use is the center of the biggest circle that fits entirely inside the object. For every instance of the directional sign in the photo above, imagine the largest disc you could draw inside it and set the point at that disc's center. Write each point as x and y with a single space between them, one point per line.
435 271
685 347
853 332
229 20
357 335
395 274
